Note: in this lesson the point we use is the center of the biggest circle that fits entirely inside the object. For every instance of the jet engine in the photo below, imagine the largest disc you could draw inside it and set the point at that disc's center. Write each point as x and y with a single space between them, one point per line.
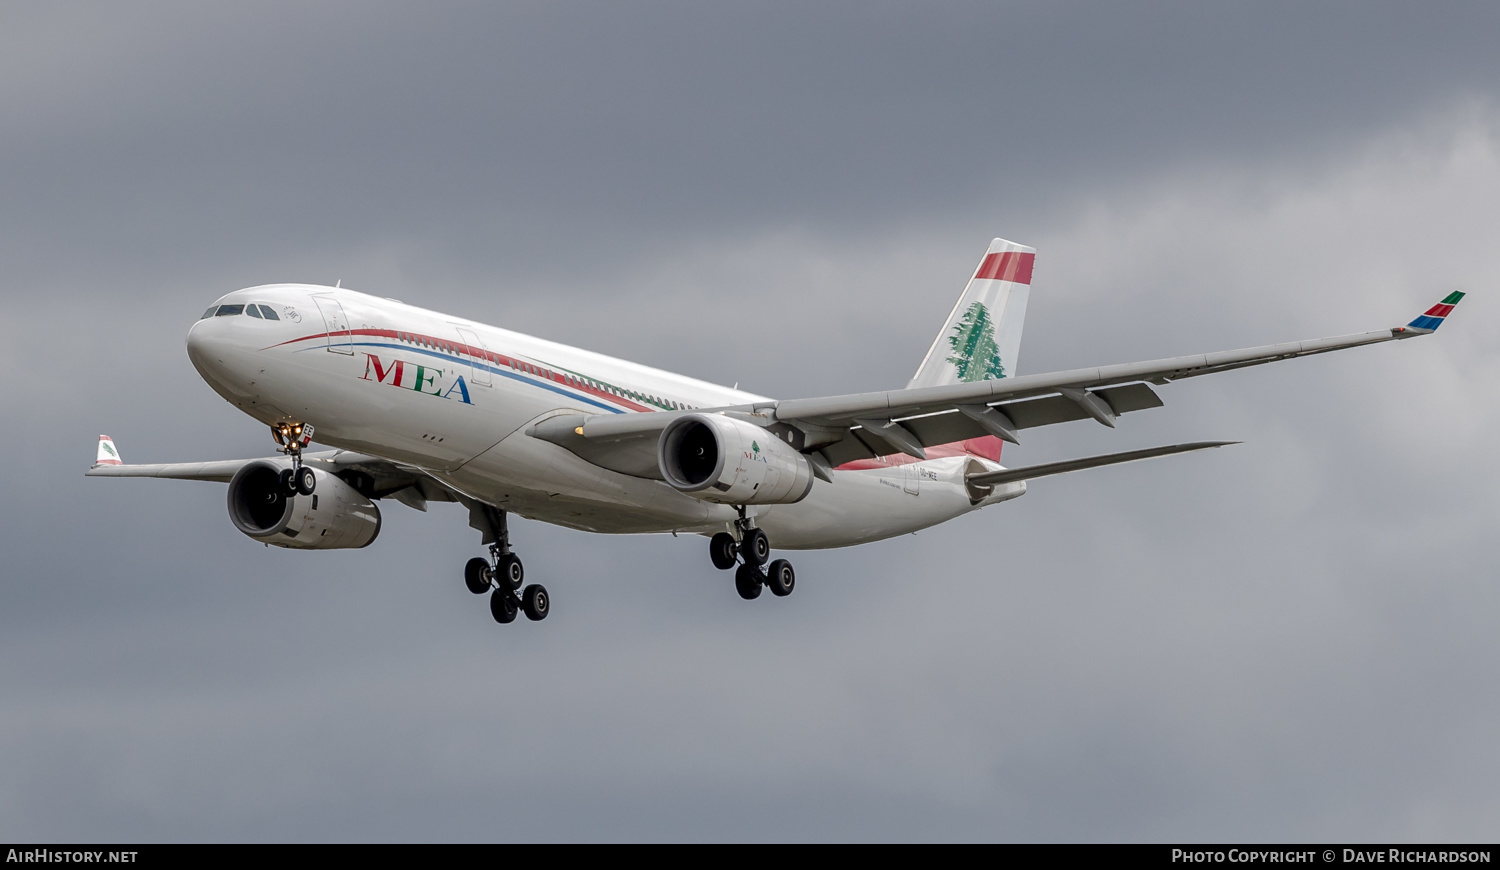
334 517
721 459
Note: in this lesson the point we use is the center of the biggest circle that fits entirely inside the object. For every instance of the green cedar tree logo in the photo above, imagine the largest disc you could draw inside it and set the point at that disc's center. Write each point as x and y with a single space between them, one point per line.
108 449
975 354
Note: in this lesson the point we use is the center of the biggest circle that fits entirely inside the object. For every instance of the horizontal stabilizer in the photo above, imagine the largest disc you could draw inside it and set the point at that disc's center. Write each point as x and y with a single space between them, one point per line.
1010 475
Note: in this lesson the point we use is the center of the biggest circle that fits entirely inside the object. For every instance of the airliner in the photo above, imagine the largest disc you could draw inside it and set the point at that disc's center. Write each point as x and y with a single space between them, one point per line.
416 407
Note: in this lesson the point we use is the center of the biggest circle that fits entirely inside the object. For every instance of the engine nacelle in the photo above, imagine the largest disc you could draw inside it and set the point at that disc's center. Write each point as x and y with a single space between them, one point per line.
334 517
721 459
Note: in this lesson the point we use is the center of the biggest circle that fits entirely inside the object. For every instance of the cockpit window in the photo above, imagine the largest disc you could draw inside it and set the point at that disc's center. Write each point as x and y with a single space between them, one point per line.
270 315
210 312
253 311
230 310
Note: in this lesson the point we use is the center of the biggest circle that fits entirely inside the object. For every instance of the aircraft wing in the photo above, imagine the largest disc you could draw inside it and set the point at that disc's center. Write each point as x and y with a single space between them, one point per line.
870 424
379 478
839 429
221 471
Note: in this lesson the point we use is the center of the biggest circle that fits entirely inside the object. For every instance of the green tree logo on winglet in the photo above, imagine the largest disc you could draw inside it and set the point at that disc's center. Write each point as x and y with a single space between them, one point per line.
108 449
975 354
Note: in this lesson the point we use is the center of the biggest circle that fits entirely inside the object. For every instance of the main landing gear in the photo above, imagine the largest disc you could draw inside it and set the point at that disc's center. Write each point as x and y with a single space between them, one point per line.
755 548
502 573
292 437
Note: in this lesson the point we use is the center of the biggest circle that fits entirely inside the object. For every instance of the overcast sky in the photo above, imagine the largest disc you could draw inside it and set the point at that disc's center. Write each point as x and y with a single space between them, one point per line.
1290 639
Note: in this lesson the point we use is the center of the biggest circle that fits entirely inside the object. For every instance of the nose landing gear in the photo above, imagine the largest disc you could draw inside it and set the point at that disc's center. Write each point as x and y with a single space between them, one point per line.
501 575
754 548
292 437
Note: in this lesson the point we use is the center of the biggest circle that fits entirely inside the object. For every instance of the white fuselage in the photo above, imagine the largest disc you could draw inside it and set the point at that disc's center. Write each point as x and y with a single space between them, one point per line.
454 398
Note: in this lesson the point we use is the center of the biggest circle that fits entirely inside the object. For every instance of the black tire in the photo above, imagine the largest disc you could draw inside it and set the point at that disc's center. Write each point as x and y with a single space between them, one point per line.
477 575
536 602
306 480
748 581
721 549
781 578
503 606
510 571
285 481
755 547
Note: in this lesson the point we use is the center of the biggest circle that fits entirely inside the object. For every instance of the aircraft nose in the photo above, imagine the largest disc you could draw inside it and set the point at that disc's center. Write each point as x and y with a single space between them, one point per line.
198 344
219 359
209 348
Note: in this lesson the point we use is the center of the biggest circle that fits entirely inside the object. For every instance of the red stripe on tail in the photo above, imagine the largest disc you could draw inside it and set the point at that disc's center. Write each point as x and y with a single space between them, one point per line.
1006 266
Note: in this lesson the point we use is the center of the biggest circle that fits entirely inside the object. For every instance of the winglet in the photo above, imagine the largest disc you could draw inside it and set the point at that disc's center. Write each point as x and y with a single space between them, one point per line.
1433 317
108 455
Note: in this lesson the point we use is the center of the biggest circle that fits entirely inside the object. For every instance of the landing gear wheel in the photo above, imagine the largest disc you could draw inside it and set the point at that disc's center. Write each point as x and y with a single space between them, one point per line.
287 482
306 481
503 606
721 550
748 581
755 547
781 578
477 575
509 571
535 602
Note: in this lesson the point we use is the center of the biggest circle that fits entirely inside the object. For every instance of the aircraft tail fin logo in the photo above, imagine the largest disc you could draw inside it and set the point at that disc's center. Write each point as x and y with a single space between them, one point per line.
107 455
982 336
976 357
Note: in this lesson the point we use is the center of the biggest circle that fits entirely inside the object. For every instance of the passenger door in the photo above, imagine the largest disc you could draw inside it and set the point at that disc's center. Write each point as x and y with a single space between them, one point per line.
478 356
339 338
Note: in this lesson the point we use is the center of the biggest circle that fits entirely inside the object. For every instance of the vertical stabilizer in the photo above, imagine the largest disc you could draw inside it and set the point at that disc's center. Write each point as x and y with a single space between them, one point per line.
108 455
981 339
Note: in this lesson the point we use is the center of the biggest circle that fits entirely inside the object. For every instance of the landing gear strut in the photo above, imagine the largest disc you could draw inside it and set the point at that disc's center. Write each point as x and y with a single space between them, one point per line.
292 437
754 548
502 573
